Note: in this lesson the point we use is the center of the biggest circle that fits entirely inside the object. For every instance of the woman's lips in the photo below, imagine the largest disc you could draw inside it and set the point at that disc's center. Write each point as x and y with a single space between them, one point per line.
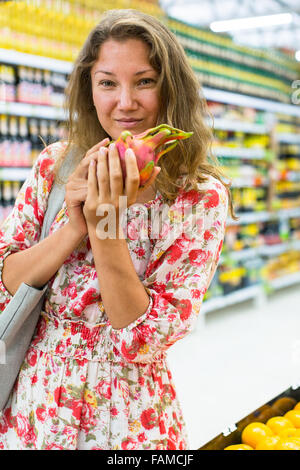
128 124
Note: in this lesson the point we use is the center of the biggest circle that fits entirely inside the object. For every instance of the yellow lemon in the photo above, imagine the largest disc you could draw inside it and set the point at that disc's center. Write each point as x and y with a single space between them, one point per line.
239 447
291 443
294 417
252 433
278 423
289 432
267 443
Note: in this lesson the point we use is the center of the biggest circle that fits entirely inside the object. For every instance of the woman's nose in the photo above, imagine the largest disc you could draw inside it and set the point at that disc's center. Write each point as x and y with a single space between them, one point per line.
127 100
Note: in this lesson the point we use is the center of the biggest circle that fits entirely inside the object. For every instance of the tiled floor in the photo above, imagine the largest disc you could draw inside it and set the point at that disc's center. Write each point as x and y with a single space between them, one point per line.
237 360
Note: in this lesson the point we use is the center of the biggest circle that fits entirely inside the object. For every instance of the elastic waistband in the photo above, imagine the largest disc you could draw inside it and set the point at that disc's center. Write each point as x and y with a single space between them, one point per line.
77 339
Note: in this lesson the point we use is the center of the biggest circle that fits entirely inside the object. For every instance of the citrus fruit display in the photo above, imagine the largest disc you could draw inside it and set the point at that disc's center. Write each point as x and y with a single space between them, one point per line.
294 417
254 432
291 443
273 427
239 447
278 423
267 443
289 432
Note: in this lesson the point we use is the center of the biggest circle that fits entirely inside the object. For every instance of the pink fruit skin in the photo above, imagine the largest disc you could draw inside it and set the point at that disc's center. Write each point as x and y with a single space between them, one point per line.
145 147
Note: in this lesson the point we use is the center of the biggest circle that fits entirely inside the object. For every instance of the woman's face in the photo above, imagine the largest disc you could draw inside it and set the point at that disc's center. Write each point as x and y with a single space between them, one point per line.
125 89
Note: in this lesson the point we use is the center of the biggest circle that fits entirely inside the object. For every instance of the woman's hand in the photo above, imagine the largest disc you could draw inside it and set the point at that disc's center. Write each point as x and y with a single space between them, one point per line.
76 190
105 182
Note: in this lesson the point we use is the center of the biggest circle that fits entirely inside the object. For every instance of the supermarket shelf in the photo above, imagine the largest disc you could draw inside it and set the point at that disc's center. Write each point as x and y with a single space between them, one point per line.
239 126
234 152
241 255
250 217
249 182
264 216
287 213
254 292
238 99
279 248
14 174
21 58
230 299
289 138
265 250
32 110
285 281
293 176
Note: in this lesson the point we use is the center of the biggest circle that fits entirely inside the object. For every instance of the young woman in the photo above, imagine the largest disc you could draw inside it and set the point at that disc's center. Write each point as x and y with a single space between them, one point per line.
95 375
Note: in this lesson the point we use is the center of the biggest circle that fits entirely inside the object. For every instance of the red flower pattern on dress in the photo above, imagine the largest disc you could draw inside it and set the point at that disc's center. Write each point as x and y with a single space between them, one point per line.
211 199
101 388
199 257
149 418
208 235
41 414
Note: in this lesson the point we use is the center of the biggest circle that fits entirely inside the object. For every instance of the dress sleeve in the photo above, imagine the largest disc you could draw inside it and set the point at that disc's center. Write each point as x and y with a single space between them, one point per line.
22 228
181 267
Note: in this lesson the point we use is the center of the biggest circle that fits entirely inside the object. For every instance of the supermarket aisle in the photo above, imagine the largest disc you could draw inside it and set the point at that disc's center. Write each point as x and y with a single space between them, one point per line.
242 357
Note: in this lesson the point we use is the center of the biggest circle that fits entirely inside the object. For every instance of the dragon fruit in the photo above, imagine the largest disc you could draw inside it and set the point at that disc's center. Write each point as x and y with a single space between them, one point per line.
146 146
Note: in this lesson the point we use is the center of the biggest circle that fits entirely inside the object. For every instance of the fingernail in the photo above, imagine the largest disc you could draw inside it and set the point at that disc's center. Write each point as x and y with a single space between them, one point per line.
92 162
112 146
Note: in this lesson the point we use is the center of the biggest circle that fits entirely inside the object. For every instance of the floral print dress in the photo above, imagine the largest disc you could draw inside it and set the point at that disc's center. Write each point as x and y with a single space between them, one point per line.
84 384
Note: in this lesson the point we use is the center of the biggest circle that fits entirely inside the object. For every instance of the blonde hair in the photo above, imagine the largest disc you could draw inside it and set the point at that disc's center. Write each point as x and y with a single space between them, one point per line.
182 105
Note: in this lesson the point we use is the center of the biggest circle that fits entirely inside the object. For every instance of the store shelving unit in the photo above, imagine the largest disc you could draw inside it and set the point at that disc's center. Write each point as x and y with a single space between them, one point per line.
32 110
31 60
242 295
228 97
14 174
229 125
262 288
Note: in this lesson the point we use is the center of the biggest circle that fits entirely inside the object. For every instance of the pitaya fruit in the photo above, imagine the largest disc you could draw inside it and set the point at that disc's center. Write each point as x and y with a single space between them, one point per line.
146 145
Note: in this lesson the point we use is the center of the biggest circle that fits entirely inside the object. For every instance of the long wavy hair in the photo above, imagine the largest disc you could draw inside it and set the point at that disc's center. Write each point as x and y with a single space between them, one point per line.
182 103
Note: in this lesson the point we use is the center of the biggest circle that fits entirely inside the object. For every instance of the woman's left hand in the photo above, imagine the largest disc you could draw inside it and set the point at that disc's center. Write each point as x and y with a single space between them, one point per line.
105 183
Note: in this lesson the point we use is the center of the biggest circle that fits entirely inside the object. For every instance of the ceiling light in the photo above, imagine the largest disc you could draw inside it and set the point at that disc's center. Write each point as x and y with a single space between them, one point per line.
297 55
252 22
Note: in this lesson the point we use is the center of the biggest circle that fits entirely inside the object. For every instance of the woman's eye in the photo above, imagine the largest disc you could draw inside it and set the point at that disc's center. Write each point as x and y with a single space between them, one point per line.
146 81
106 83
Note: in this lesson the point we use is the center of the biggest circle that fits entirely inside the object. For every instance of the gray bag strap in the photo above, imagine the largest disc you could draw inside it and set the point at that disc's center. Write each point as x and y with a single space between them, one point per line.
57 193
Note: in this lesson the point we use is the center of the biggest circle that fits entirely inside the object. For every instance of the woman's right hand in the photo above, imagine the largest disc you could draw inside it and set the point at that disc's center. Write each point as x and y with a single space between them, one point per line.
76 190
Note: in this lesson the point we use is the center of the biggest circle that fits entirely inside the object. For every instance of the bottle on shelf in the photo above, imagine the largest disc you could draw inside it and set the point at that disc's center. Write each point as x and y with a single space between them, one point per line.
4 140
14 154
25 143
47 87
7 83
36 143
